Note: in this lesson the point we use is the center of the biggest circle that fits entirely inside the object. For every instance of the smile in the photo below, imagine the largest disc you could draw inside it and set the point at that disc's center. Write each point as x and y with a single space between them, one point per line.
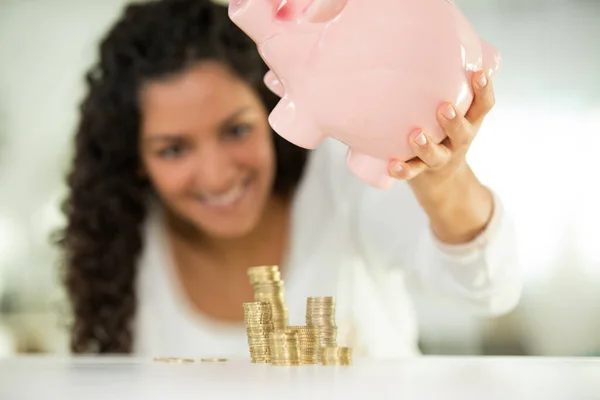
227 199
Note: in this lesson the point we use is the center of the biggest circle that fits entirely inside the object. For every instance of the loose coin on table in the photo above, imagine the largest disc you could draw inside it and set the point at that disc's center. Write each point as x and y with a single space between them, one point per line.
173 360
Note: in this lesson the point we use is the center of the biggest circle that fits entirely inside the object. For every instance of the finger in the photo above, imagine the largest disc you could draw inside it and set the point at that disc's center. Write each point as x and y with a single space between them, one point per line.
432 154
407 170
457 128
483 100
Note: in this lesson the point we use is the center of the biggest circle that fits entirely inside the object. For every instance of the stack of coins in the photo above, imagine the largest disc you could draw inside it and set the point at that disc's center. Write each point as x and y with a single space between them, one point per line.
334 355
309 343
320 313
258 317
285 348
268 287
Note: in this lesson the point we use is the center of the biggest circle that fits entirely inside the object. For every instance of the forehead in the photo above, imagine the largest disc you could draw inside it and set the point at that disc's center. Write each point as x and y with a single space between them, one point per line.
199 97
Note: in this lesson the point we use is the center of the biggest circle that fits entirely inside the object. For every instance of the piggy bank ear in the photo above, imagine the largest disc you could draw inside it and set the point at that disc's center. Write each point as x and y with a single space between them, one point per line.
325 10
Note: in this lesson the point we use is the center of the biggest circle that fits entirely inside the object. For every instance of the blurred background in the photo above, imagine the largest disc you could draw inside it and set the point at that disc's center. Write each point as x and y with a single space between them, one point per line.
538 148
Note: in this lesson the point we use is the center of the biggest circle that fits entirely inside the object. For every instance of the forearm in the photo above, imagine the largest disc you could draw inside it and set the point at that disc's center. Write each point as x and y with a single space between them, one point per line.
459 207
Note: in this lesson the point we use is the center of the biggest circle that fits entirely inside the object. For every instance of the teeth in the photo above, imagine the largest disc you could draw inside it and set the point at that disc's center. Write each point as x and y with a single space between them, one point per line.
225 199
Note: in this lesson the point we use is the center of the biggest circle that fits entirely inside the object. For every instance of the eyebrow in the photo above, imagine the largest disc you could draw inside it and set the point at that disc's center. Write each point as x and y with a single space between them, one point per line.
178 136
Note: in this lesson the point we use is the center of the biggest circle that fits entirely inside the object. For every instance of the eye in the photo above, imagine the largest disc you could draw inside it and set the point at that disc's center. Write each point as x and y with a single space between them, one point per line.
239 131
172 151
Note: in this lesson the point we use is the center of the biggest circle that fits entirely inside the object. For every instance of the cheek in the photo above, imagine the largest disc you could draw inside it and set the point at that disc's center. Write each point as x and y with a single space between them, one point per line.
260 152
168 177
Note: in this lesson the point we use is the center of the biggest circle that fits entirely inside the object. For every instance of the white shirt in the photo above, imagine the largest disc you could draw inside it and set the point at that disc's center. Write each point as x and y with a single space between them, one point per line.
364 246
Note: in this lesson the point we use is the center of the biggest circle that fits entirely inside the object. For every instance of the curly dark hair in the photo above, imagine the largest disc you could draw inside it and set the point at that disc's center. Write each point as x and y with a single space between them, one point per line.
106 205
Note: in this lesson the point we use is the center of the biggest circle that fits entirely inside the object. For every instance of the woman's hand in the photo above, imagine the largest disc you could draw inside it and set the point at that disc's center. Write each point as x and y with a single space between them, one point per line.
458 205
442 160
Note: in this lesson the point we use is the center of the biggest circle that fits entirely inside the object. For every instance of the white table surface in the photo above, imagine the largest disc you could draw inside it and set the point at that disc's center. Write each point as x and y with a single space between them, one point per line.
439 378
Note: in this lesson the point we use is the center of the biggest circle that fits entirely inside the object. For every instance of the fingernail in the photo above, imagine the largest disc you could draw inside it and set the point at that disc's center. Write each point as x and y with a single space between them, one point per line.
482 81
449 112
397 167
421 140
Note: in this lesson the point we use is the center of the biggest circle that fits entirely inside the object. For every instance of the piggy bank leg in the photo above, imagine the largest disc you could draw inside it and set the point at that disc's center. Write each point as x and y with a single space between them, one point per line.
371 170
293 126
274 84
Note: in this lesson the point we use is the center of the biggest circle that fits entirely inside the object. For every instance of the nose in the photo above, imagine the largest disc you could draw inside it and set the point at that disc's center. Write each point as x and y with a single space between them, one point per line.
215 172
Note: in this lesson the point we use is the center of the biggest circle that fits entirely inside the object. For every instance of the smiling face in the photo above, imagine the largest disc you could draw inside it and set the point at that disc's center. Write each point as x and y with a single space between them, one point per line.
207 148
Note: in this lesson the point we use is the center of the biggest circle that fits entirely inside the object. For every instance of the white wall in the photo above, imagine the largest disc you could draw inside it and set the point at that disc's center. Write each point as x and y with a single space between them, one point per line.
45 47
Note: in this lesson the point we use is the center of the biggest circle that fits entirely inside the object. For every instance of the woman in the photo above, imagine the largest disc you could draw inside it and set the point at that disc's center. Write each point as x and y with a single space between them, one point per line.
179 185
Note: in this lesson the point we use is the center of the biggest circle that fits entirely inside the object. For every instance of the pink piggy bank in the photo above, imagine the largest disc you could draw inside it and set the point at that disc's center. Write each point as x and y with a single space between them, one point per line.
365 72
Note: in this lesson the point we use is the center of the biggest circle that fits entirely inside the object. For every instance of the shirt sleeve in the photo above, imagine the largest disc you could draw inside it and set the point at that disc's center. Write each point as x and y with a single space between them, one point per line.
483 275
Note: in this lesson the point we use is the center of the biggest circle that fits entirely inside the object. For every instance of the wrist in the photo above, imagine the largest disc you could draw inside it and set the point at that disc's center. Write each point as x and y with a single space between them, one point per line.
458 205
